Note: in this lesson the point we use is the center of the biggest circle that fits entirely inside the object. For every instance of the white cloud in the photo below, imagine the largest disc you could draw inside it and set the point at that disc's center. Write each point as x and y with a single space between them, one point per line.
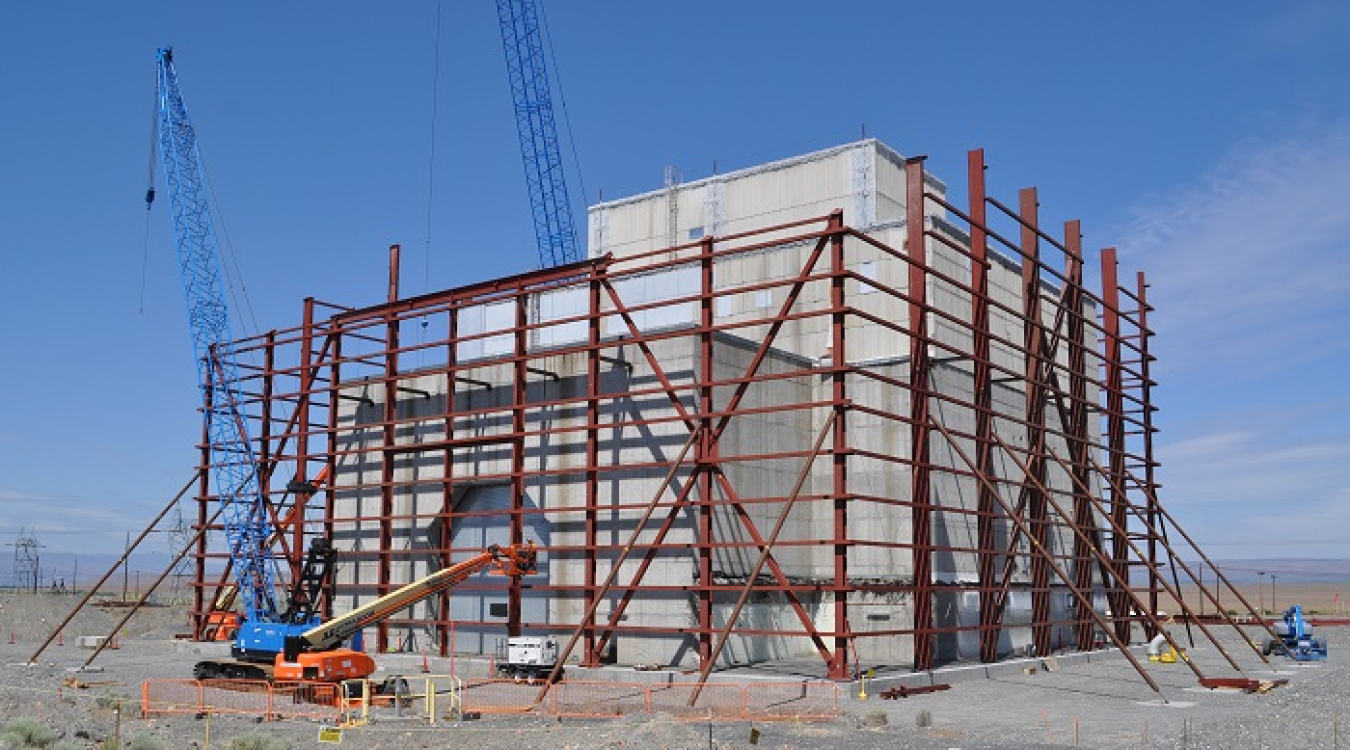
63 514
1250 272
1255 259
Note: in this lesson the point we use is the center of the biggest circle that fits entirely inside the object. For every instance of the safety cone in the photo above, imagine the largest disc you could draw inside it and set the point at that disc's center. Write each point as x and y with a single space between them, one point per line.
426 668
60 640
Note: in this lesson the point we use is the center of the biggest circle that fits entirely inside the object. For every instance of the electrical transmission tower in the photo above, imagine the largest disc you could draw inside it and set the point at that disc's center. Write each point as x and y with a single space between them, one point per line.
180 535
27 561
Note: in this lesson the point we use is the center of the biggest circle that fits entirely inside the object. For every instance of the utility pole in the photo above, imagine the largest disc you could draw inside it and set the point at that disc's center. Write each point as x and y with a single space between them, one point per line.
126 568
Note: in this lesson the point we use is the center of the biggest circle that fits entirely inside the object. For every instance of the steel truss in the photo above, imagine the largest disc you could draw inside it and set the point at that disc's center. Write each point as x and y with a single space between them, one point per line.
1065 484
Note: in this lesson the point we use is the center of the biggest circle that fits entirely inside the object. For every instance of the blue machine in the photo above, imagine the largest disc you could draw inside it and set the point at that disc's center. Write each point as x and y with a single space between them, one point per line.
234 466
1296 638
522 42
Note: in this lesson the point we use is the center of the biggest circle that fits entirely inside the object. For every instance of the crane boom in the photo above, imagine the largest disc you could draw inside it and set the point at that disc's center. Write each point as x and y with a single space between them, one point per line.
234 467
522 42
514 560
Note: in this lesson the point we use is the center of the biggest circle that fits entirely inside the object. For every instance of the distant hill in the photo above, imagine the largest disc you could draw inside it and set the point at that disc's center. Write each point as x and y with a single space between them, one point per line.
58 567
1289 570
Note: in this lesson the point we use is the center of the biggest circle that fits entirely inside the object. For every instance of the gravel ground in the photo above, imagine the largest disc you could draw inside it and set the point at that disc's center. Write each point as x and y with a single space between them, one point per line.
1100 704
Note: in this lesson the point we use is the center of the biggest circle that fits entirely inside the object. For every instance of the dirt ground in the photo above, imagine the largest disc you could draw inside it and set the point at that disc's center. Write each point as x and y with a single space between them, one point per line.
1104 703
1324 599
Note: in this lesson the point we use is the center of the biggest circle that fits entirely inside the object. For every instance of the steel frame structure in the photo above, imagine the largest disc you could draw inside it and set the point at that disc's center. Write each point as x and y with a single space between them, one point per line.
1078 503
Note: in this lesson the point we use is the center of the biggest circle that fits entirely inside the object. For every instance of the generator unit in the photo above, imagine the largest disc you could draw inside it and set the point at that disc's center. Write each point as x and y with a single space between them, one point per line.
527 658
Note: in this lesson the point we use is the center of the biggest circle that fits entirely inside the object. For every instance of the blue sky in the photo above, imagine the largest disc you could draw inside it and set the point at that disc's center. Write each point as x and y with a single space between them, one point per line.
1210 142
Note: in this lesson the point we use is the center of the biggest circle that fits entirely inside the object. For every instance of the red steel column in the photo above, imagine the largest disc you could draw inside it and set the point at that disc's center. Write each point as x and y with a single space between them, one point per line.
1033 338
705 453
519 397
330 491
1076 432
446 517
200 606
305 396
839 451
591 519
389 414
266 467
990 618
920 488
1146 405
1115 440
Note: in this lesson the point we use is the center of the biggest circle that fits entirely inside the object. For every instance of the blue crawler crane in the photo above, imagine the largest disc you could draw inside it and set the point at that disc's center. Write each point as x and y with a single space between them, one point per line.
234 466
1296 638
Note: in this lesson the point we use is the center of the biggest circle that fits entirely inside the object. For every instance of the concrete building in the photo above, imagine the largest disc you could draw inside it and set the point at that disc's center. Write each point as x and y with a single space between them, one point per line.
767 401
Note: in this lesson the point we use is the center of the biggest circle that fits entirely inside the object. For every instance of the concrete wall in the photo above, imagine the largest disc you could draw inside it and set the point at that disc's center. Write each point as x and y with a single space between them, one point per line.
866 181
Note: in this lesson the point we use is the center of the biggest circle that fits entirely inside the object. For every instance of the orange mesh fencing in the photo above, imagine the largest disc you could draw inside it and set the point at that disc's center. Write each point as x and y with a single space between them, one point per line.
305 700
170 697
716 701
246 697
500 696
598 699
792 700
321 701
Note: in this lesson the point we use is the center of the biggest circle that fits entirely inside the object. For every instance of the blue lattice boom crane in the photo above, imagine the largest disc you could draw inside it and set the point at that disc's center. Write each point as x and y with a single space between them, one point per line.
522 41
233 464
269 643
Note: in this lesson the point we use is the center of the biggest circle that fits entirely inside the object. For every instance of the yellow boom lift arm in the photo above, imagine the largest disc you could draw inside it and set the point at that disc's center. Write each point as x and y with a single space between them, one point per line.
317 654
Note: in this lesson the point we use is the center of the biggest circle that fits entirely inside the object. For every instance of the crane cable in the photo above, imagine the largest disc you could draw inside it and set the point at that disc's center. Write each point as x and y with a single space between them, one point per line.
431 179
562 99
431 159
149 191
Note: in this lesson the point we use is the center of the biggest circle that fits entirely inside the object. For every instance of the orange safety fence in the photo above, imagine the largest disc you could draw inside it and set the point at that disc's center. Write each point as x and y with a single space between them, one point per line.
599 699
792 701
717 700
305 700
245 697
499 696
170 697
300 700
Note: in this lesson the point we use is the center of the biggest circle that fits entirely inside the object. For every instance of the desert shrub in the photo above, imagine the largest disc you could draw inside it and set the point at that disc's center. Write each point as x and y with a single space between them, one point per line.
145 742
24 733
259 741
875 719
923 719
